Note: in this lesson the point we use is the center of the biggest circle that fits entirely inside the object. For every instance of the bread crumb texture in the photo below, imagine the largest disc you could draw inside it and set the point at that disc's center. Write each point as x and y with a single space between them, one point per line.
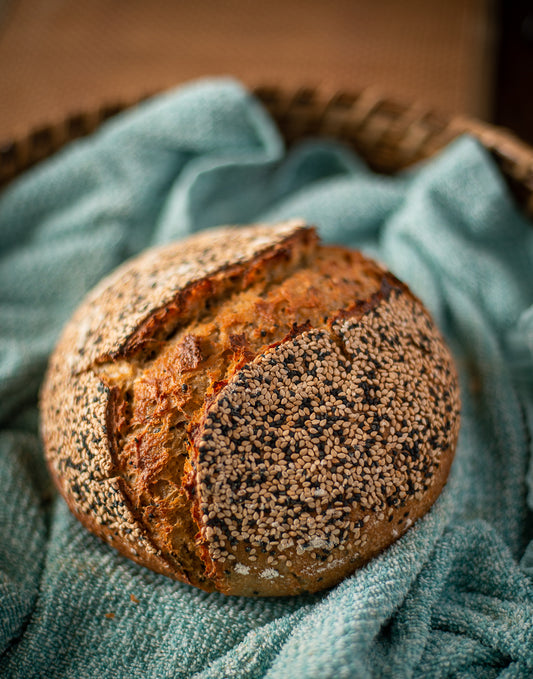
250 411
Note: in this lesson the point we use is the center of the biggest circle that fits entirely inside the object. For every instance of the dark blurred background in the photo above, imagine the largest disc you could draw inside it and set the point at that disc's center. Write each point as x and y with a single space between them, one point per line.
472 57
513 96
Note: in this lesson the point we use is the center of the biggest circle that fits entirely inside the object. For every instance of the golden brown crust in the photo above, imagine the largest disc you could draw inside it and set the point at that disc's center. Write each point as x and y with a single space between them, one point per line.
263 424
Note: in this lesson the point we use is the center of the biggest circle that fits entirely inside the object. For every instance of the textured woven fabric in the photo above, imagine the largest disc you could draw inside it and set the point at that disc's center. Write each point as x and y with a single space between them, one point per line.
452 598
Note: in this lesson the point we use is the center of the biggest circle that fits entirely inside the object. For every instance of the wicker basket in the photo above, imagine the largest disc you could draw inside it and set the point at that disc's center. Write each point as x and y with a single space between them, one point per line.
387 134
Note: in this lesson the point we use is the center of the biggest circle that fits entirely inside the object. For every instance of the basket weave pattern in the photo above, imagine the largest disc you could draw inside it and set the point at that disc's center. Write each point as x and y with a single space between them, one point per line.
389 135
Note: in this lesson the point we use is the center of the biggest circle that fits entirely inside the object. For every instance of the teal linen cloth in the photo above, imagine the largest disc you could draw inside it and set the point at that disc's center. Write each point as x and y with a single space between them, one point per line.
454 597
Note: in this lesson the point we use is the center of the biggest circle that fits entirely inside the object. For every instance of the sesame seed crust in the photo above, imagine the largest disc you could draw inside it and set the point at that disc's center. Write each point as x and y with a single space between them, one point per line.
194 418
323 438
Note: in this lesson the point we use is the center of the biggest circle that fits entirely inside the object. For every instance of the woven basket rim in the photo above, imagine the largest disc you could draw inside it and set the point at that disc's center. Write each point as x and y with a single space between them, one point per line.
389 133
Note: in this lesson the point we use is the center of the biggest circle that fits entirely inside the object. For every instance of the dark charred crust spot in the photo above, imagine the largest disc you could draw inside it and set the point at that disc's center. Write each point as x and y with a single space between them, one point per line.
389 284
189 354
241 348
238 343
117 411
298 330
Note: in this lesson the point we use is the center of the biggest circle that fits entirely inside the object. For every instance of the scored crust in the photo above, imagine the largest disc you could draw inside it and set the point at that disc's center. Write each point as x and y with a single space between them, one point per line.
249 411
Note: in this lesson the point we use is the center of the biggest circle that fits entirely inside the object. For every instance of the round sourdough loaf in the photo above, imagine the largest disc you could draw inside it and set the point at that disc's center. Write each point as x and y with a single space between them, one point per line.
250 411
